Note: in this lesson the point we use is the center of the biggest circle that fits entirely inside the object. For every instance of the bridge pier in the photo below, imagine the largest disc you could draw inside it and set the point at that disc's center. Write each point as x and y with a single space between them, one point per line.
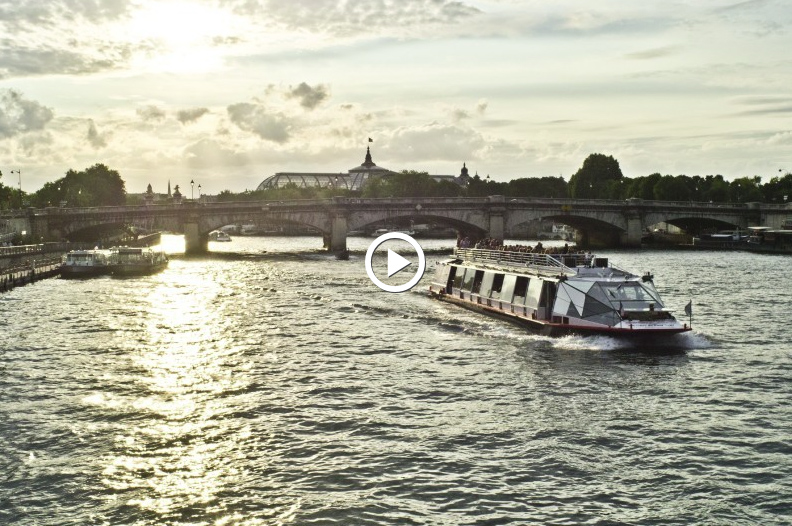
194 242
497 221
632 237
38 228
338 234
598 238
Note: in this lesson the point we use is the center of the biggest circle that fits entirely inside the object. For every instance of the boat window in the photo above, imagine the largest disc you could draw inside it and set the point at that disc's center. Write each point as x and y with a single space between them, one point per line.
507 290
548 294
486 284
458 275
534 293
628 292
477 281
497 285
520 288
449 274
467 283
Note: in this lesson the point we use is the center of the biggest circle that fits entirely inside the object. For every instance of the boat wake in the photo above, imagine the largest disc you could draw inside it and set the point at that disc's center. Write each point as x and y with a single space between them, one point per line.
677 343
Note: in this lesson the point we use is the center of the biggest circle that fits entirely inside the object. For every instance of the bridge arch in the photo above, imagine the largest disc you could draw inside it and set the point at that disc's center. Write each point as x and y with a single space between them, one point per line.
461 226
592 229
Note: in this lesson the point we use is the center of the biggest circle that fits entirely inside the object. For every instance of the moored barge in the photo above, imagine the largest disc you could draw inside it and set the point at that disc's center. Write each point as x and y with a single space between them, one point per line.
132 261
556 294
85 263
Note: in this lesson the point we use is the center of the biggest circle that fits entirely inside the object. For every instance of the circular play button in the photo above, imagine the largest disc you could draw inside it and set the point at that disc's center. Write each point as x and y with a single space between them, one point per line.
396 263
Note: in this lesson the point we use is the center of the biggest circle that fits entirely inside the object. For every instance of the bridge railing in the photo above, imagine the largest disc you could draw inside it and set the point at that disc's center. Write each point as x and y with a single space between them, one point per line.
252 207
40 248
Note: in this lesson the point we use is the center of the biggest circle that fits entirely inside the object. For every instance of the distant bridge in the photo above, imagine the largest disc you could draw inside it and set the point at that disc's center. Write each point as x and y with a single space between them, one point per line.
598 222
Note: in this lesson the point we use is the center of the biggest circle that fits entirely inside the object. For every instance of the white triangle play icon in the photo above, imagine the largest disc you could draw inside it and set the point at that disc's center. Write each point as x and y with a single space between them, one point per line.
395 262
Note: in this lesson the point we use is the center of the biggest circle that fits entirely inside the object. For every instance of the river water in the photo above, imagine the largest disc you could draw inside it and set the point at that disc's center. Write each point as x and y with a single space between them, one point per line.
270 384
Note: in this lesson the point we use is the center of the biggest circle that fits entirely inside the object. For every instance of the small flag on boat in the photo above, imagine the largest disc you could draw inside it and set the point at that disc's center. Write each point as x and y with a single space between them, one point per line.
371 140
689 308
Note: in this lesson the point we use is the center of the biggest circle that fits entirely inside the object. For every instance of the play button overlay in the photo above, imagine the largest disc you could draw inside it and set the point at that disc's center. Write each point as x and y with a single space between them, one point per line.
396 262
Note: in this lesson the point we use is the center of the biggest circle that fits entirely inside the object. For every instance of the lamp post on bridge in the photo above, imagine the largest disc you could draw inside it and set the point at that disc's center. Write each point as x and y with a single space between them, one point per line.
199 191
19 173
192 188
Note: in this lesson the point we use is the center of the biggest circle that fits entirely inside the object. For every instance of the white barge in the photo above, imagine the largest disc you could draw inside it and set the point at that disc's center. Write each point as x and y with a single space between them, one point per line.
555 294
133 261
85 263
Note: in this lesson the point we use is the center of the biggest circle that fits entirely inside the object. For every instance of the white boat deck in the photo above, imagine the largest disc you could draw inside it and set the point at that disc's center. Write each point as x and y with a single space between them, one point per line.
580 265
558 263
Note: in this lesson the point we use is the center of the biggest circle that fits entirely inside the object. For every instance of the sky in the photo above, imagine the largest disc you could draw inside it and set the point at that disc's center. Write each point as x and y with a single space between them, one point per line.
228 92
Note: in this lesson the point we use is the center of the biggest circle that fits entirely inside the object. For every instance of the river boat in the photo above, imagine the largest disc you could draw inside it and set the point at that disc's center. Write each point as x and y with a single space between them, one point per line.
724 239
770 240
136 261
85 263
556 294
220 236
382 231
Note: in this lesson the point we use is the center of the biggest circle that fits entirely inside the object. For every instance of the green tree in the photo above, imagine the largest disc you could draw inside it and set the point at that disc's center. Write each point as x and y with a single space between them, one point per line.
478 187
778 189
716 189
670 188
591 180
536 187
745 189
94 186
6 195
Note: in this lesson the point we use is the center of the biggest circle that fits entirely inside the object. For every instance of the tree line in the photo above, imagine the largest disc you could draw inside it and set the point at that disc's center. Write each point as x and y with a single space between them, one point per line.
97 185
600 177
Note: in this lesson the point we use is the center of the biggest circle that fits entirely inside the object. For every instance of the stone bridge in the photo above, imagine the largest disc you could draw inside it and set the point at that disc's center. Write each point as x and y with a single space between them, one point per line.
598 222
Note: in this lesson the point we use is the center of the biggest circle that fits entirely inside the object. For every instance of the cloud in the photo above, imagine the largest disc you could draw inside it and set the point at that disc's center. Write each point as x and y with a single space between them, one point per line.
740 6
20 12
209 153
781 138
458 114
96 139
482 106
191 115
45 60
658 52
436 142
341 17
765 105
151 113
36 144
19 115
61 37
256 119
309 97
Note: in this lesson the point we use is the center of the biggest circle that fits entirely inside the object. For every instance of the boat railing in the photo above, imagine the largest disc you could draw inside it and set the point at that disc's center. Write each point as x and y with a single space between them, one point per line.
562 263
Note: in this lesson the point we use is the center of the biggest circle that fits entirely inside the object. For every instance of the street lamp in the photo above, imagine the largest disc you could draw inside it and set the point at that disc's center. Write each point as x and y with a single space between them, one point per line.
192 187
199 192
20 185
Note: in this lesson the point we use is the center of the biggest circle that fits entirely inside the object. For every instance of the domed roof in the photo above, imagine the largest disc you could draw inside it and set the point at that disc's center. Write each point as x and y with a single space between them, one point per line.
368 165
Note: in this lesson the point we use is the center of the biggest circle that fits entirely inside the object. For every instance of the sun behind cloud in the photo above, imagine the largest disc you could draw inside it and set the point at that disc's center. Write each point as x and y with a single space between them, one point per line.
181 36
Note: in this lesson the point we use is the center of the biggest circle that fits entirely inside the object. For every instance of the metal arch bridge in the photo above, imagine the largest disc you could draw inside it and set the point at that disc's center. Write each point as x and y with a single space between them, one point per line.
598 222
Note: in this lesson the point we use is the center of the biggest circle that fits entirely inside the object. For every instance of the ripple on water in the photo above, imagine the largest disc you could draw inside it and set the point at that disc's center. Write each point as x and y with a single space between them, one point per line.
274 389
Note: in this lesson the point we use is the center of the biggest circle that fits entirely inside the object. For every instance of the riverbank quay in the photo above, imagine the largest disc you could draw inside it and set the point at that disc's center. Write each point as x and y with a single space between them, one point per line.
14 256
29 272
25 264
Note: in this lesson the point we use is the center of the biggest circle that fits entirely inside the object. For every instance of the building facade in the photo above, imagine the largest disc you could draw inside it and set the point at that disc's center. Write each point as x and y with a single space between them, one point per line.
354 179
